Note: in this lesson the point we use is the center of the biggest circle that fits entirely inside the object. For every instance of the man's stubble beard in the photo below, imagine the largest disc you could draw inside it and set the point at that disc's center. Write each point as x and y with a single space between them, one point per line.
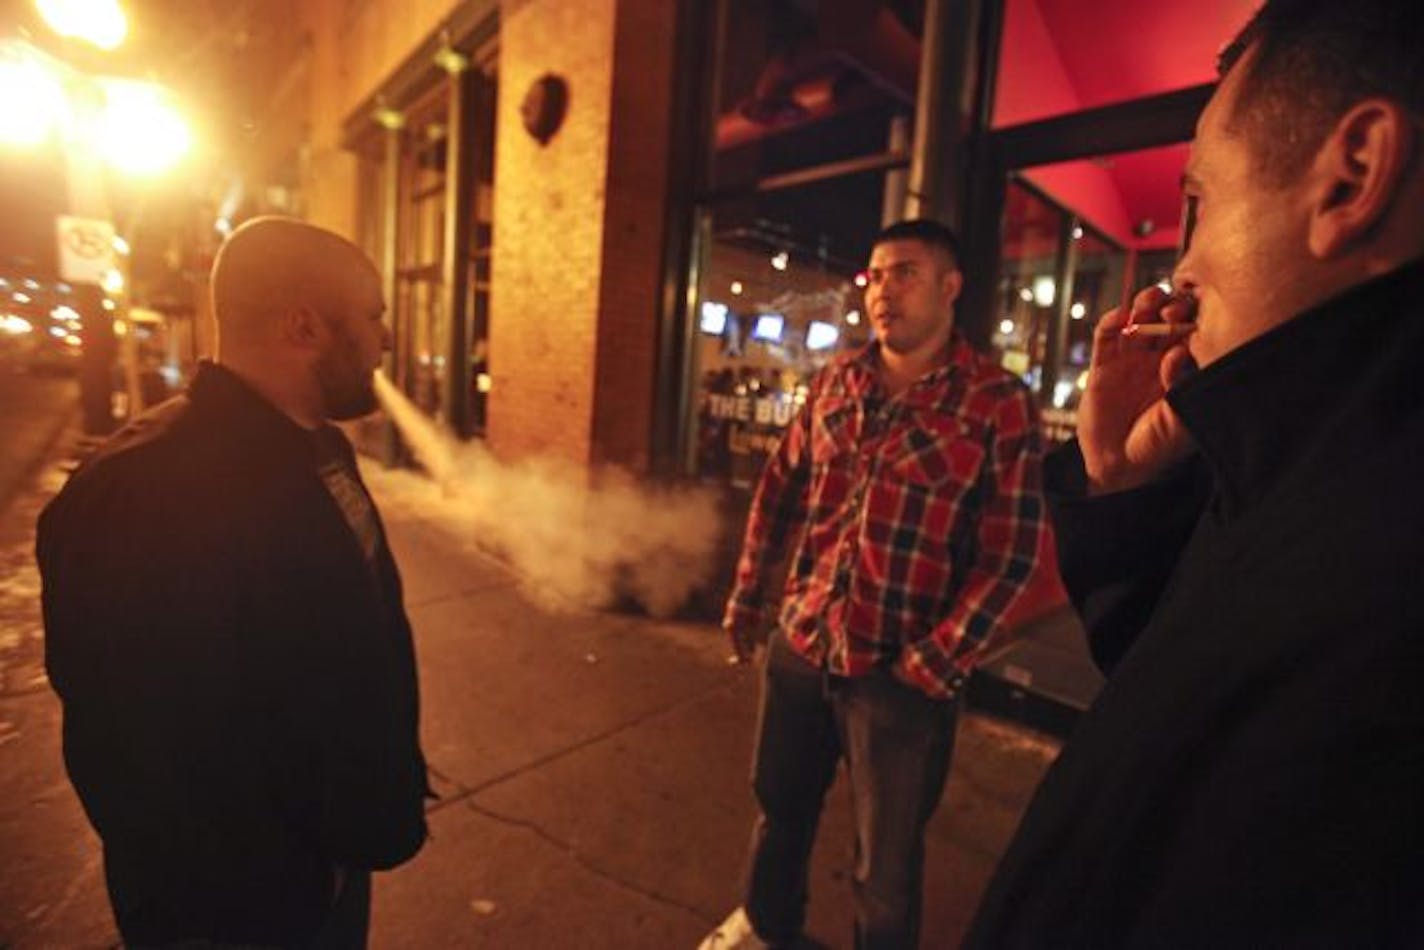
347 392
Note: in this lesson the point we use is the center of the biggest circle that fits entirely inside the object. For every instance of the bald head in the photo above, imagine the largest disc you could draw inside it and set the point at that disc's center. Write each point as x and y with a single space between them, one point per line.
271 264
300 318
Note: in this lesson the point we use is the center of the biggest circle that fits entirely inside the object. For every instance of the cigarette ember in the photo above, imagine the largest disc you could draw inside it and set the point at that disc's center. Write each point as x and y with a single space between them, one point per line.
1159 329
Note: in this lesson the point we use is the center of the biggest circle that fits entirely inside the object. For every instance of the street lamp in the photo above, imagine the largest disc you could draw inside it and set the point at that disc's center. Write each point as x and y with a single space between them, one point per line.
131 124
124 125
101 22
138 131
33 99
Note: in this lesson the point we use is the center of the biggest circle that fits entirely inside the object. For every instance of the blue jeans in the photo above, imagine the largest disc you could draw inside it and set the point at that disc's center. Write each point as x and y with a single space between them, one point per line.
896 743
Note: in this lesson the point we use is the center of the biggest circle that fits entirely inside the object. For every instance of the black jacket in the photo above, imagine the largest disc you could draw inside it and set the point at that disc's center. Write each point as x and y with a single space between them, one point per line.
1252 774
240 706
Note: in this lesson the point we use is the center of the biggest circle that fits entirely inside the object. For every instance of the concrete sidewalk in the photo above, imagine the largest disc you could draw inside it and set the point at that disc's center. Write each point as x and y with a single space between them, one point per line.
592 769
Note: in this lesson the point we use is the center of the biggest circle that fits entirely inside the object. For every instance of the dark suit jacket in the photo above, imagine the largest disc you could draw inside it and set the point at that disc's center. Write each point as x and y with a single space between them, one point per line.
1252 774
239 690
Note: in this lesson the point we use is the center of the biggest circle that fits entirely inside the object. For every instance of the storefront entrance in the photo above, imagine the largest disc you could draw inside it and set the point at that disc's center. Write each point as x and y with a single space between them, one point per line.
1069 131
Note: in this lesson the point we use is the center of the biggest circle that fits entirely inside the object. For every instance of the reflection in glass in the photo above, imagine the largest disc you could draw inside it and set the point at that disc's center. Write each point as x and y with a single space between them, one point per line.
782 323
1059 276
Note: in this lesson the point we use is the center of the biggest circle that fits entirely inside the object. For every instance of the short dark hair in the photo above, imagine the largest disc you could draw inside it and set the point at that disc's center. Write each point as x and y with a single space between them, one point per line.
1313 60
925 230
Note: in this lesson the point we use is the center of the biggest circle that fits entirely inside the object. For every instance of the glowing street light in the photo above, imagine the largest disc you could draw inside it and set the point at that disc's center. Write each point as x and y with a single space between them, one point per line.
101 22
131 124
139 131
33 101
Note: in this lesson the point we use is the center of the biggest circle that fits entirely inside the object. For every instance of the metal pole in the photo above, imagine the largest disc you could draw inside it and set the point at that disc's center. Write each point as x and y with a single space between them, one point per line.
1065 270
698 233
455 259
892 205
944 102
925 160
392 122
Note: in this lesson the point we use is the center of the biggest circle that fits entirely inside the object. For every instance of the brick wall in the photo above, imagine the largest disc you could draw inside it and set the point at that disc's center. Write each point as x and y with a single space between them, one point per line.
356 45
579 231
579 222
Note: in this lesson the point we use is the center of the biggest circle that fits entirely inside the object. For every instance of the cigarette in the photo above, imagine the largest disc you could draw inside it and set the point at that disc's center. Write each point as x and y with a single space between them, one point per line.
1158 329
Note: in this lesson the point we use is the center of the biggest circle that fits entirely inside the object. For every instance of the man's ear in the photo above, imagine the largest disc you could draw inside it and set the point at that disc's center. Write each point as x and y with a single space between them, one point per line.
302 327
951 284
1359 172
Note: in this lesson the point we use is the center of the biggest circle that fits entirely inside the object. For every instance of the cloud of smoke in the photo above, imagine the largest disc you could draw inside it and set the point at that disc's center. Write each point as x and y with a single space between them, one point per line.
577 540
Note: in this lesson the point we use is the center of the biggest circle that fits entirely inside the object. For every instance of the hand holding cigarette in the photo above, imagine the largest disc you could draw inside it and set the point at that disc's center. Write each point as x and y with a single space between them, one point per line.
1159 329
1158 314
1128 433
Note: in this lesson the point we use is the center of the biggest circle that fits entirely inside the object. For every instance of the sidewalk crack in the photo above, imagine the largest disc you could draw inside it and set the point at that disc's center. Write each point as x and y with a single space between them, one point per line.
464 792
573 854
457 595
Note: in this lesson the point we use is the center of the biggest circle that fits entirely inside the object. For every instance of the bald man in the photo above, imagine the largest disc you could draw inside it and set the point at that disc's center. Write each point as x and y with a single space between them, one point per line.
224 624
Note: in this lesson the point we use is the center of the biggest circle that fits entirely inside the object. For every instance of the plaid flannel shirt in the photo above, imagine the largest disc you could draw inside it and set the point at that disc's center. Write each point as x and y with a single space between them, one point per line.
920 519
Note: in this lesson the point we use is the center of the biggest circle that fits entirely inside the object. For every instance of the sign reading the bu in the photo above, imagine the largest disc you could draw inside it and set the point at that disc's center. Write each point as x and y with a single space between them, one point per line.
86 249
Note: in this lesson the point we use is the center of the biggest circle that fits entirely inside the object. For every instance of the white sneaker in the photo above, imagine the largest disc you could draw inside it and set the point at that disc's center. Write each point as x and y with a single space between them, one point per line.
734 933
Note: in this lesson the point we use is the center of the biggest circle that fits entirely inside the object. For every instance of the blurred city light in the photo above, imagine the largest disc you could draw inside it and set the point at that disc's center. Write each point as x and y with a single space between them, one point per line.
15 326
132 124
139 131
1044 291
101 22
113 282
33 100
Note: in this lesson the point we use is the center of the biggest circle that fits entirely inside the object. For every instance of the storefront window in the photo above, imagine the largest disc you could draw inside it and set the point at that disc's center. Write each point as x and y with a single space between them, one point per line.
810 150
778 300
1033 234
1096 287
1059 275
421 345
452 387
